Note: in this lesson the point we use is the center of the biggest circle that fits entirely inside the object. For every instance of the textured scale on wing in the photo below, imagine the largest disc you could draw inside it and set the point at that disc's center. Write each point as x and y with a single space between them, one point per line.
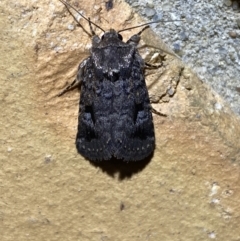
90 141
139 141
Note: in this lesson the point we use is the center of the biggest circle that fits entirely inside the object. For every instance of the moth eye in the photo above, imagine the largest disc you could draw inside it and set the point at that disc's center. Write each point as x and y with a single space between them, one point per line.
120 36
102 37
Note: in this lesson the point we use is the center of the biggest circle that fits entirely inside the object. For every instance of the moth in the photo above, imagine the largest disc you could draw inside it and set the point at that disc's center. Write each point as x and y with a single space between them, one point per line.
115 118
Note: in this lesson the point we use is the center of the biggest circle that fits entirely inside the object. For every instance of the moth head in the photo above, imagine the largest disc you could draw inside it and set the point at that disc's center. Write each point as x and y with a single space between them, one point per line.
111 34
108 38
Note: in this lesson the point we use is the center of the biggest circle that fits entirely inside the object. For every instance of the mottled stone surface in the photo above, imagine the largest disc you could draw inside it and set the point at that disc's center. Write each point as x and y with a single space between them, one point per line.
189 190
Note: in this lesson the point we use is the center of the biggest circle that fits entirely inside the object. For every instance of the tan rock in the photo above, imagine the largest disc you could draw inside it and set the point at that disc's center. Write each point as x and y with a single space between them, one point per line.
189 190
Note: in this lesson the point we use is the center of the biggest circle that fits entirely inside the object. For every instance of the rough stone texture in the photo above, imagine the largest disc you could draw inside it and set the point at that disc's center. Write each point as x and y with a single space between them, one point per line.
189 190
207 39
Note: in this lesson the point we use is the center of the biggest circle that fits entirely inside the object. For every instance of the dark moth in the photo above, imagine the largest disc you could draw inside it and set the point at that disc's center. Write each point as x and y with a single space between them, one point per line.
115 119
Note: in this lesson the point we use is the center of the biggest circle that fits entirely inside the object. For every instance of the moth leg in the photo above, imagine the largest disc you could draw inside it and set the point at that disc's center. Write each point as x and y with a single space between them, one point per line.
152 66
77 81
157 112
72 86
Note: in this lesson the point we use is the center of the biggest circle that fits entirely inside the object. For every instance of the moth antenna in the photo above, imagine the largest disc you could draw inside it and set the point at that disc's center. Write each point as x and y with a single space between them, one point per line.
141 25
90 26
140 32
89 21
79 24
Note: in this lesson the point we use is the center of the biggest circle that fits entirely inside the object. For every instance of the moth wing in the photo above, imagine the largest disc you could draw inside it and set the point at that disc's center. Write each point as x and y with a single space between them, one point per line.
93 138
136 127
